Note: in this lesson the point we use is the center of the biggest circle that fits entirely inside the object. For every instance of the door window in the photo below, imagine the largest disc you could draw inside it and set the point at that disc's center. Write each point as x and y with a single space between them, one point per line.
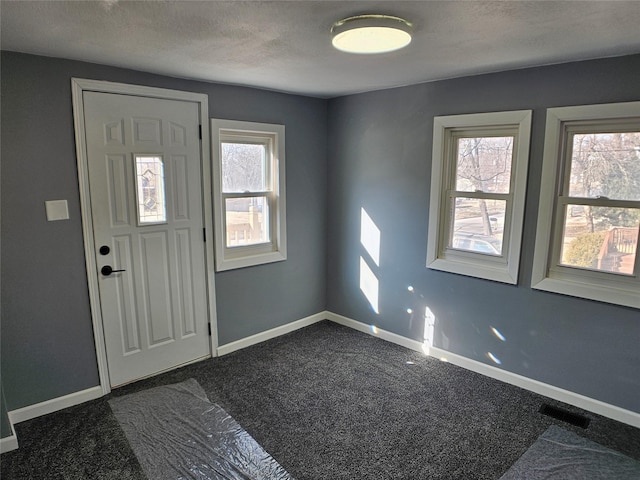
150 195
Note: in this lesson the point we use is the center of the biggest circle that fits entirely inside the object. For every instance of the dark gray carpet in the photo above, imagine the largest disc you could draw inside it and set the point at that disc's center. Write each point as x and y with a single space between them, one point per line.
327 402
562 455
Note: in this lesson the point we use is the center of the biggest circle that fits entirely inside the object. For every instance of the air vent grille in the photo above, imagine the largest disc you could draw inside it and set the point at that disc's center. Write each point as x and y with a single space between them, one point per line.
565 415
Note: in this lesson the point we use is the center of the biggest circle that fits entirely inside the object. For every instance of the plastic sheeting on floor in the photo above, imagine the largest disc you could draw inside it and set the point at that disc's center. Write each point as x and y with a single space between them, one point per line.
177 433
563 455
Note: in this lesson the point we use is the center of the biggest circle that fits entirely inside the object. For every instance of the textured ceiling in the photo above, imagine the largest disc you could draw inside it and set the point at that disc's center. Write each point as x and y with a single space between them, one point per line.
285 45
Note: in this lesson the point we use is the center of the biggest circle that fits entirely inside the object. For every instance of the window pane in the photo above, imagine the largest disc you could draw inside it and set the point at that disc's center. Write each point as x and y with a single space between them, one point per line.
150 189
484 164
600 238
247 221
243 167
478 225
606 164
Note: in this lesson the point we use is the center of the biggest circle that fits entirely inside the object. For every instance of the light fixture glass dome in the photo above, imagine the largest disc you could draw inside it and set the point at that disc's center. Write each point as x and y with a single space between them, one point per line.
367 34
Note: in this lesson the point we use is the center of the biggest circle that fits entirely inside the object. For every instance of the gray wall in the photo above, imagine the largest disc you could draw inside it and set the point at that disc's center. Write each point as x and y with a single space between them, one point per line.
47 339
380 159
5 426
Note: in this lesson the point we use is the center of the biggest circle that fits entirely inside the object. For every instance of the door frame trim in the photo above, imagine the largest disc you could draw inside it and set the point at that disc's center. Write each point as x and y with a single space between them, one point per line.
78 87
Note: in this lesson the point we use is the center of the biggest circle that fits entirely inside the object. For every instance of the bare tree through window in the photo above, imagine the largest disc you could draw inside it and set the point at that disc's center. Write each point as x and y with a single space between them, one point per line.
482 168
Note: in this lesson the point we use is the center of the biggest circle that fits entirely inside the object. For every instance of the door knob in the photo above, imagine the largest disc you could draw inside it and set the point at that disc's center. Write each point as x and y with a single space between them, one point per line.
107 270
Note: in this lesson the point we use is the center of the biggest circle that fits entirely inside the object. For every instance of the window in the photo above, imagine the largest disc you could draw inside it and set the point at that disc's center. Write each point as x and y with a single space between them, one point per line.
150 189
589 214
249 193
478 182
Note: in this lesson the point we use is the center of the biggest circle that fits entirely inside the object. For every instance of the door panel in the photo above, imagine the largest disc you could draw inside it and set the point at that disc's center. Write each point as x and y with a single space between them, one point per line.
117 189
180 187
184 307
145 185
155 278
125 302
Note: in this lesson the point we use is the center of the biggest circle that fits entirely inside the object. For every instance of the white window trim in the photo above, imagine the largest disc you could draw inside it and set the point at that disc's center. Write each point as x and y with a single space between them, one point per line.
228 258
505 267
600 286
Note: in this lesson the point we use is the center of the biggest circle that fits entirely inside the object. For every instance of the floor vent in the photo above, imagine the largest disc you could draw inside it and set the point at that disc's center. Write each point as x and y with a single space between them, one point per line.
565 415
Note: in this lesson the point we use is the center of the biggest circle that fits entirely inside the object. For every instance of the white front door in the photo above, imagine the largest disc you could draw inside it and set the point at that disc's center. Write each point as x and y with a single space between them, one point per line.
145 186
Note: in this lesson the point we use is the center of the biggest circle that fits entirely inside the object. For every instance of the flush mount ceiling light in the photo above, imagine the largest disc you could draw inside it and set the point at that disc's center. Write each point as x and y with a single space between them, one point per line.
371 34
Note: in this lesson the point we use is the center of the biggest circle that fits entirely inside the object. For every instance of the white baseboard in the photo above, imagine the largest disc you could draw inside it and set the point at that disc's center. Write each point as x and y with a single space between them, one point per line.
586 403
565 396
376 332
53 405
9 443
269 334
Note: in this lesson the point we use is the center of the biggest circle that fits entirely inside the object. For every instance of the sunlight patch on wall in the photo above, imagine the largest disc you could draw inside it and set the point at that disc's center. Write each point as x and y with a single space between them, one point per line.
429 329
370 236
370 240
494 359
369 284
498 334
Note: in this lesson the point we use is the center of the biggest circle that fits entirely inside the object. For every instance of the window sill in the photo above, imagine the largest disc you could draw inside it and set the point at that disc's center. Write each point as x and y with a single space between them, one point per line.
627 296
497 273
250 260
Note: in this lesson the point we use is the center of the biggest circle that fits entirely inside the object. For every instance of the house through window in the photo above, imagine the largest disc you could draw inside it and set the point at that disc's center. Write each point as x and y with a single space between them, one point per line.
588 226
249 189
150 189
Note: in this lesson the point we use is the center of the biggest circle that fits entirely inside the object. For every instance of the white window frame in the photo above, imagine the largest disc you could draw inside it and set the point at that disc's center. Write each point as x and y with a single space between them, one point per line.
546 274
503 268
273 137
